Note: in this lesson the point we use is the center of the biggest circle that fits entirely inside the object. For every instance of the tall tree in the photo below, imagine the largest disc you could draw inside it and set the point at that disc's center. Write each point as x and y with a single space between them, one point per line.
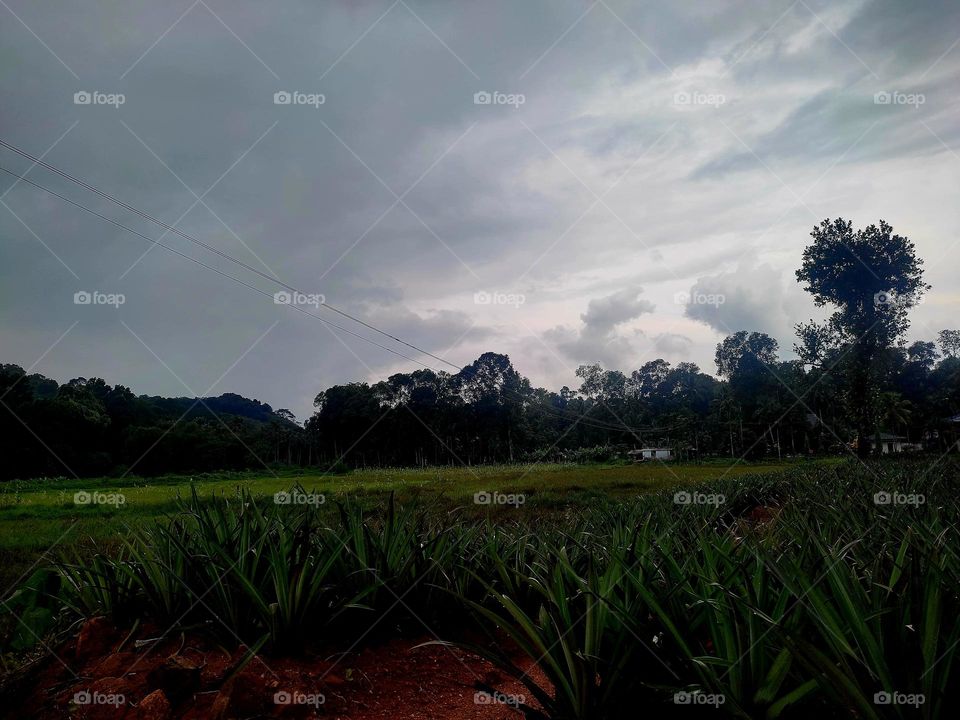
872 277
949 342
748 360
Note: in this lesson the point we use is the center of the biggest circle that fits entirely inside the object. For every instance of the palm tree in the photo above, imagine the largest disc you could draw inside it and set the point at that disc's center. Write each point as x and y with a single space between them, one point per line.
895 410
892 411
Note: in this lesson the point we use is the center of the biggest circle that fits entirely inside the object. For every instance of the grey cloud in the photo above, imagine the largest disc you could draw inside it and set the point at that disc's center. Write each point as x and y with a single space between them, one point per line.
598 338
673 345
611 350
845 125
882 46
603 314
495 205
747 298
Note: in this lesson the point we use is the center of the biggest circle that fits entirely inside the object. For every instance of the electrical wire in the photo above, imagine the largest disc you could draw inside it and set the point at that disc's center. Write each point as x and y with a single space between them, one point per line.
580 419
210 248
209 267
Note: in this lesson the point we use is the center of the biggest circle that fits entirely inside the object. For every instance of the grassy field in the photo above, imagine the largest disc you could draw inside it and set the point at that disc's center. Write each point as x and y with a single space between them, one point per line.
37 515
821 589
788 590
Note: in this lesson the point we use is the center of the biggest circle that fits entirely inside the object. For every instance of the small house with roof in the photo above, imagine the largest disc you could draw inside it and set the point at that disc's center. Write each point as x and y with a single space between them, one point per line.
890 443
651 453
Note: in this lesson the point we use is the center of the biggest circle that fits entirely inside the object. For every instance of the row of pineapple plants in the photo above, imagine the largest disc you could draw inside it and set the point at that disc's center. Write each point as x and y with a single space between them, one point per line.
807 592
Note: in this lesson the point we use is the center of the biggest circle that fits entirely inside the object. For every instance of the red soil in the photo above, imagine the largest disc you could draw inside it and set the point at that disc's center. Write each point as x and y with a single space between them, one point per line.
188 677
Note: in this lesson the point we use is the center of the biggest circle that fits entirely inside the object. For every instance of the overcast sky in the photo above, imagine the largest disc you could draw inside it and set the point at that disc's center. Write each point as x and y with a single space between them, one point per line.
642 182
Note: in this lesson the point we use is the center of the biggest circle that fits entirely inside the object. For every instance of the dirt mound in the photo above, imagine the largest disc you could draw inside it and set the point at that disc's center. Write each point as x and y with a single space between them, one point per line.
104 675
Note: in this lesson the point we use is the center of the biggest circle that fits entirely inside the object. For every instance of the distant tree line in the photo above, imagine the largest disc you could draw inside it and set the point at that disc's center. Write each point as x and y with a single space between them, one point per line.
87 427
854 376
760 406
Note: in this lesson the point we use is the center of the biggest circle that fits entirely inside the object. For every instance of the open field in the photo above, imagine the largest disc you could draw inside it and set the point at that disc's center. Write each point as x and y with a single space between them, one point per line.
412 360
810 590
39 514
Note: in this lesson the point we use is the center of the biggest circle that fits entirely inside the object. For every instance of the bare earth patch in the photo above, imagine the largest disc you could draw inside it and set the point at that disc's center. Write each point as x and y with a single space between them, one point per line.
191 677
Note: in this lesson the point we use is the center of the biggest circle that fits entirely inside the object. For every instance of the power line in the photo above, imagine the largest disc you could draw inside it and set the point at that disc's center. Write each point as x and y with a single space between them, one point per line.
208 267
210 248
580 419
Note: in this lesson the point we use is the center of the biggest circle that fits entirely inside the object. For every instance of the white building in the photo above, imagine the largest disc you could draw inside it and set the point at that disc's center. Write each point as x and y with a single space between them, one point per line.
645 454
890 443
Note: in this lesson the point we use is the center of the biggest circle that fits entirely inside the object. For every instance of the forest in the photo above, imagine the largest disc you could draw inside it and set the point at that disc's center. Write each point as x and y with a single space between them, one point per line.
852 377
488 412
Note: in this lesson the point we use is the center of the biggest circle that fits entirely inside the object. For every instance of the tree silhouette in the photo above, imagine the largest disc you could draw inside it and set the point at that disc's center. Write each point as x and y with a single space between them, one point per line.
872 277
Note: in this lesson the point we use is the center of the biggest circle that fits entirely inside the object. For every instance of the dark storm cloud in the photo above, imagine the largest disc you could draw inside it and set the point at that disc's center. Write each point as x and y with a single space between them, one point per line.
880 52
398 198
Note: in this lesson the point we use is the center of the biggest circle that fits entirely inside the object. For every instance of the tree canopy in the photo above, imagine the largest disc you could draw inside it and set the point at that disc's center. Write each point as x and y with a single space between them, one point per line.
854 376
